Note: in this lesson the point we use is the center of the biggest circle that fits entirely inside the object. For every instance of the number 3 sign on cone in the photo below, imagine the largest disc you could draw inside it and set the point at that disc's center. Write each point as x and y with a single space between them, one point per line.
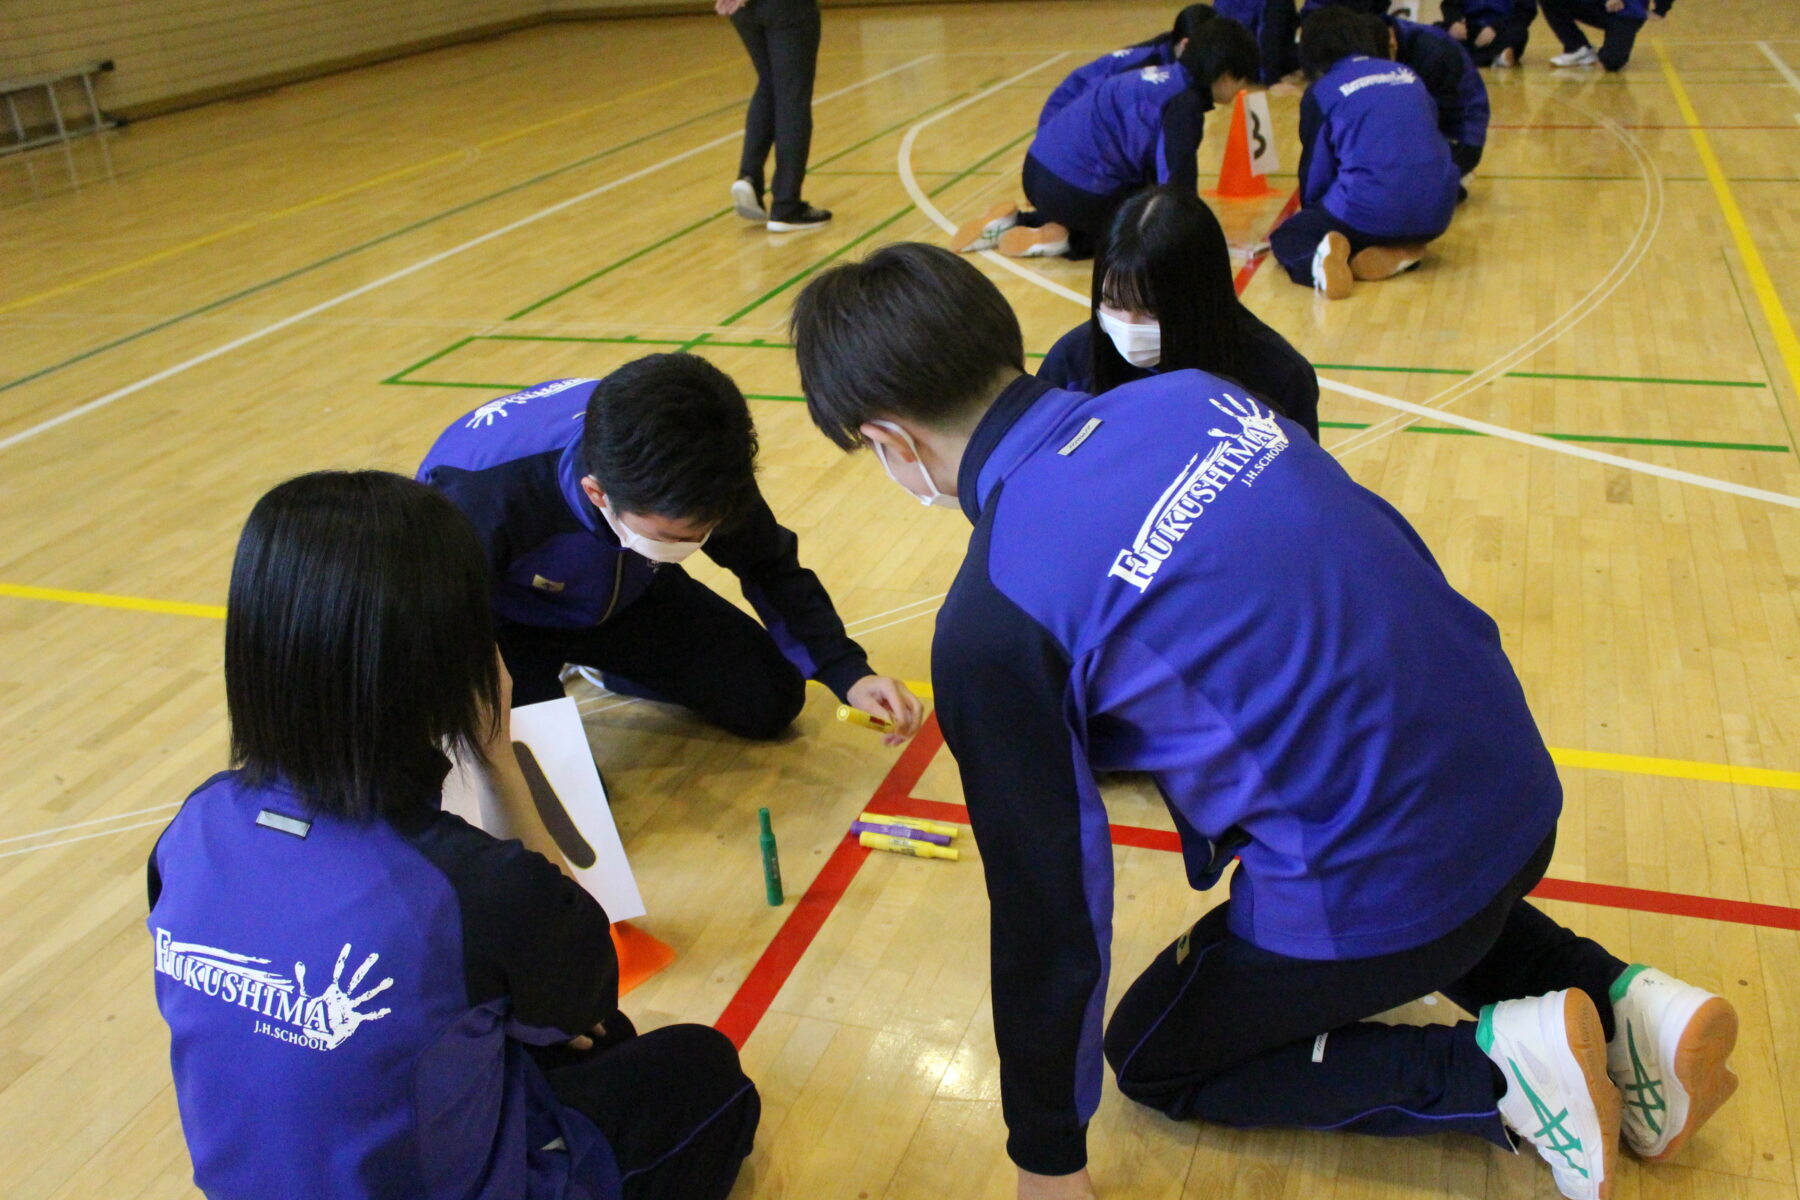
1249 150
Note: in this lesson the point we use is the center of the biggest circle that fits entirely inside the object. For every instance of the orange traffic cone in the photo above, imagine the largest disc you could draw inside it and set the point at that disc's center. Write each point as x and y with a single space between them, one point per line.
1237 181
640 955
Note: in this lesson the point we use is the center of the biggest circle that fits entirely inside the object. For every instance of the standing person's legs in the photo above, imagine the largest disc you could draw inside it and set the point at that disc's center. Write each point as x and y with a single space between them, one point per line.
794 56
759 122
684 644
675 1106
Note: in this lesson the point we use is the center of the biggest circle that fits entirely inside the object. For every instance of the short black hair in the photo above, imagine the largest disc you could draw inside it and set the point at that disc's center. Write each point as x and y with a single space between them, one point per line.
1333 34
1189 20
911 331
1221 47
670 435
359 643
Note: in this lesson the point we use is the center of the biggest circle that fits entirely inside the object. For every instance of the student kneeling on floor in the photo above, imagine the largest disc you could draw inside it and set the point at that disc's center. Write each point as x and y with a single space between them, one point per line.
1129 133
1163 50
589 494
1376 179
1171 578
369 998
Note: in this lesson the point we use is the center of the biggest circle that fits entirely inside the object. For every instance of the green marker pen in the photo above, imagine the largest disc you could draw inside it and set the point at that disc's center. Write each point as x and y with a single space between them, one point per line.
771 861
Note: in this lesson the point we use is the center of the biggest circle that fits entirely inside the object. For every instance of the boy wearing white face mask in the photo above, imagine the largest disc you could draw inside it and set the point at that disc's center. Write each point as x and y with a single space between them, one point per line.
588 494
1165 300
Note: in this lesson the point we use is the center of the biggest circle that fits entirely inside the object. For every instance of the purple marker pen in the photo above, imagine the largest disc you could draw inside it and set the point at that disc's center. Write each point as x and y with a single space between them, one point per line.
900 831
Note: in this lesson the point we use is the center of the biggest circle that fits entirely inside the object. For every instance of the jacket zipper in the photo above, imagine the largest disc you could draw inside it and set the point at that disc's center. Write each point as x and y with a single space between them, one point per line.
618 578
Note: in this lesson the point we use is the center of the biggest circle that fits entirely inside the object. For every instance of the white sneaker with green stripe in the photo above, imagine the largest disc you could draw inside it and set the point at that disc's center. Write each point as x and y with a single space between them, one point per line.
1552 1051
1668 1055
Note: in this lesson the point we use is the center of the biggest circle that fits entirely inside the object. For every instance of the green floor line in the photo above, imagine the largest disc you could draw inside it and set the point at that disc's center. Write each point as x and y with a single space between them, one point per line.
609 268
811 172
1648 379
400 376
1599 438
360 247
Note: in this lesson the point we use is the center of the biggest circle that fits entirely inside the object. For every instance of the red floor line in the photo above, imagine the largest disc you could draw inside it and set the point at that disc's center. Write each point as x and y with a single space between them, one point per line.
1606 895
1247 272
758 991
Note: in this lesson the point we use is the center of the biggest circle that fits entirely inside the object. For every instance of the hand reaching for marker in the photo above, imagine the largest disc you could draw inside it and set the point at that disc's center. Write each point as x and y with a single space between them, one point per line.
892 701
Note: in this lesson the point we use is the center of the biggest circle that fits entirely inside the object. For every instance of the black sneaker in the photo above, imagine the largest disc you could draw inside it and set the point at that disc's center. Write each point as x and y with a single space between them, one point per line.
801 218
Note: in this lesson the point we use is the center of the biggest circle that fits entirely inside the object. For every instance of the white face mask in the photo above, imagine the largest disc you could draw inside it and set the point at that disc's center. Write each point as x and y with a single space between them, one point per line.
1139 345
649 547
933 496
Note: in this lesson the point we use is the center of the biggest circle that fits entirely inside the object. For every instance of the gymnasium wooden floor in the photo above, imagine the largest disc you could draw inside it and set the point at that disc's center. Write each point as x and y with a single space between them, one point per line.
326 275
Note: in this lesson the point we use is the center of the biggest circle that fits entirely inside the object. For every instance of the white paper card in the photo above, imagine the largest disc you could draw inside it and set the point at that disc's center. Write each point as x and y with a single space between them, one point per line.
1261 132
566 786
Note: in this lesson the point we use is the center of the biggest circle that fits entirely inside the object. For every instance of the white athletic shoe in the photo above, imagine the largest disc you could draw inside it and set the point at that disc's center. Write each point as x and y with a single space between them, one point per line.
1331 273
983 232
1584 57
1668 1056
594 677
746 203
1552 1050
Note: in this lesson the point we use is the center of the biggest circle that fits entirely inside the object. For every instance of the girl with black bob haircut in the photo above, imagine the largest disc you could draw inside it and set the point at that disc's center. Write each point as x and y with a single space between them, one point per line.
368 997
1164 299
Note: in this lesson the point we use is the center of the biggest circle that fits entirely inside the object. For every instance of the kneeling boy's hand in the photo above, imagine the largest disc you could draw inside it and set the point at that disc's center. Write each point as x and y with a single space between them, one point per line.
891 700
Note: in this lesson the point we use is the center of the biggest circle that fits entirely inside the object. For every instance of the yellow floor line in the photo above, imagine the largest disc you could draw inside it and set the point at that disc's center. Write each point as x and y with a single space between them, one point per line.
1786 340
1675 768
1592 760
219 235
178 608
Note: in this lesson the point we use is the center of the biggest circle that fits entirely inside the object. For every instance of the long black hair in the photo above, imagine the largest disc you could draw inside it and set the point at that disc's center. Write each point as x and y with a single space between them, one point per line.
359 643
1165 255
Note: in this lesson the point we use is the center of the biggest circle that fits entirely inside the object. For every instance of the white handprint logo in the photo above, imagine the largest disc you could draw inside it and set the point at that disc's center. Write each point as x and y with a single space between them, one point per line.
333 1015
489 412
1255 425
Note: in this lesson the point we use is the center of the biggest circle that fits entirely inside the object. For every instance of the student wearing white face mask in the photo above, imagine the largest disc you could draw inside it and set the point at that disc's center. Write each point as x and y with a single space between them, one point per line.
1164 300
588 494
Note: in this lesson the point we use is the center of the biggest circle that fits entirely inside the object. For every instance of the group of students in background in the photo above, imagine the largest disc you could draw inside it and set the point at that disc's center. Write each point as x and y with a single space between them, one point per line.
1315 700
1393 122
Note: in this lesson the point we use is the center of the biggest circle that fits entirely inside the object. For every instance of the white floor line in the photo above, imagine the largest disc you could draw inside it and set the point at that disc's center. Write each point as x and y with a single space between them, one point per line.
83 838
1543 443
911 183
1649 225
851 626
423 264
1653 181
1787 72
136 812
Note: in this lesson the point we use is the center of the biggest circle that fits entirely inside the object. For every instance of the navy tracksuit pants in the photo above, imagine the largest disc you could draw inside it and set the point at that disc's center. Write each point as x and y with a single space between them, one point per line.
1220 1030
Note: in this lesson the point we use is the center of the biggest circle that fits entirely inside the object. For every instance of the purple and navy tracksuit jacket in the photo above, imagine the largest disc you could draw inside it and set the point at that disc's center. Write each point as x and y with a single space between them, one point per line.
349 1003
514 466
1169 578
1273 24
1157 52
1371 151
1133 130
1451 77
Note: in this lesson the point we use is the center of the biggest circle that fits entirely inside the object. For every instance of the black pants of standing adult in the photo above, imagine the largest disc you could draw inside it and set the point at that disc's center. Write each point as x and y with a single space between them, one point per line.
674 1105
1219 1029
782 37
679 642
1566 17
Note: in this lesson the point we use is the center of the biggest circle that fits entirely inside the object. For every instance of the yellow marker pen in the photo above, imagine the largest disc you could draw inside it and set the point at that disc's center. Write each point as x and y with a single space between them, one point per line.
856 716
921 688
881 841
874 818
